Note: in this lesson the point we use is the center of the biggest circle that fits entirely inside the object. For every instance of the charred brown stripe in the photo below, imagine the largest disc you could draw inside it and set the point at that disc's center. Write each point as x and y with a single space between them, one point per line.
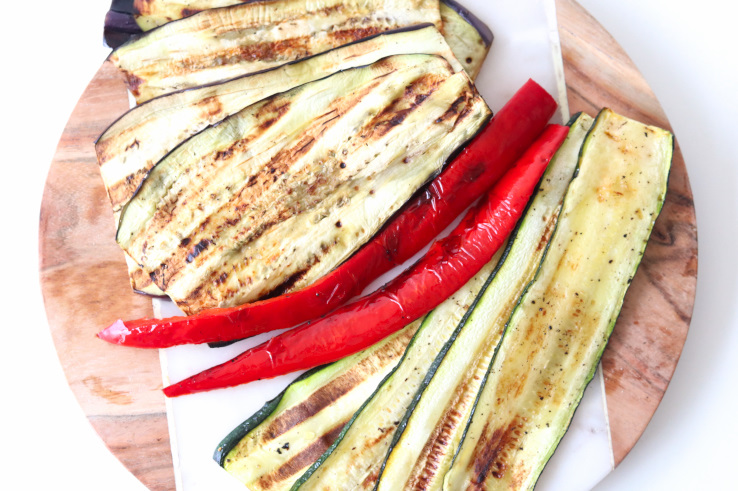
121 192
139 280
492 452
299 462
348 35
415 93
428 462
271 51
133 82
331 393
260 185
384 434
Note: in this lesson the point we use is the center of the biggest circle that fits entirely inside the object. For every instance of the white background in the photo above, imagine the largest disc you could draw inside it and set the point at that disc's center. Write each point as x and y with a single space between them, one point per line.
686 51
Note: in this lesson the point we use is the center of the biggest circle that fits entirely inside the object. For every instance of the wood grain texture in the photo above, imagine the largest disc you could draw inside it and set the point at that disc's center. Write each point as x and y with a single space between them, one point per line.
85 284
647 341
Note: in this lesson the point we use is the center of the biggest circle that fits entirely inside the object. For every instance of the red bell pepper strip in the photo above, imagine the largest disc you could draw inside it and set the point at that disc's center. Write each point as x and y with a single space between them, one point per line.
470 174
446 267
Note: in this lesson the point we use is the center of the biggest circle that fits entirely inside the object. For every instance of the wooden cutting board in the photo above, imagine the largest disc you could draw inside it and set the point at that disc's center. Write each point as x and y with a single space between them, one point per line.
85 284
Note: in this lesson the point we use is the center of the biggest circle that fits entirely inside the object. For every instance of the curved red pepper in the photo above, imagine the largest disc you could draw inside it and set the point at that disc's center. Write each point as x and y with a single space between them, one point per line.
470 174
446 267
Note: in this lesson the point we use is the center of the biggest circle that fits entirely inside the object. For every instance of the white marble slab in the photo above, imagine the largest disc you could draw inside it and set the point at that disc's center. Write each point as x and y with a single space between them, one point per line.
526 46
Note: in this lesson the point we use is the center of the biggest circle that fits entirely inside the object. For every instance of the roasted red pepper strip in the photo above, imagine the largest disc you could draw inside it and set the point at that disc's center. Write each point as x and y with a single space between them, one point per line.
469 175
446 267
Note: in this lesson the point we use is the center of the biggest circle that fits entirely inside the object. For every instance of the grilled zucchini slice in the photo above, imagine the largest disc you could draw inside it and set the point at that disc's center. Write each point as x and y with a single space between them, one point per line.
556 335
431 430
223 43
272 448
283 191
354 459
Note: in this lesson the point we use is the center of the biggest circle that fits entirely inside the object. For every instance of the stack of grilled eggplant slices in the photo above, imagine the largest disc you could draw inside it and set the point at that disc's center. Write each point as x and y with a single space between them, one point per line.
271 139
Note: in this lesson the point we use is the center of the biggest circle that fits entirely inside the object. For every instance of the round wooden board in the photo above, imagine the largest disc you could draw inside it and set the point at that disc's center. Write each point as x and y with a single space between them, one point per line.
85 284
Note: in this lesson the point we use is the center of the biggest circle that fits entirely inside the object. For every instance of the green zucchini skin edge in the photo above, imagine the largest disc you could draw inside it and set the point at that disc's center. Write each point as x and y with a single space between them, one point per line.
237 434
606 334
434 367
442 354
309 472
572 121
610 327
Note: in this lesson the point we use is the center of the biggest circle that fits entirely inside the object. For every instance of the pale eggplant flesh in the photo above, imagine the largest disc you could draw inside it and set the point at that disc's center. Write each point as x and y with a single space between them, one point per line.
468 36
278 194
133 144
558 332
222 43
470 39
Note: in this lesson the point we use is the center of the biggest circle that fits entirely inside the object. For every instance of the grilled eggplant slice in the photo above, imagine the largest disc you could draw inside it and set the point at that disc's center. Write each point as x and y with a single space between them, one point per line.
272 448
557 333
150 14
429 434
132 145
354 459
469 38
283 191
219 44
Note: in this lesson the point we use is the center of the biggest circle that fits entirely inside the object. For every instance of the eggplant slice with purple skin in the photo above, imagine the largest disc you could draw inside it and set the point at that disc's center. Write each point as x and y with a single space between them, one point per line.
277 195
218 44
132 145
469 38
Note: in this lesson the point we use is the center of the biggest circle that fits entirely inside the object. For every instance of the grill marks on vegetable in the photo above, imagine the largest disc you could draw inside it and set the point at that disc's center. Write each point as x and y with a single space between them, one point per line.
230 191
332 393
297 464
313 423
558 331
268 34
493 452
127 150
427 466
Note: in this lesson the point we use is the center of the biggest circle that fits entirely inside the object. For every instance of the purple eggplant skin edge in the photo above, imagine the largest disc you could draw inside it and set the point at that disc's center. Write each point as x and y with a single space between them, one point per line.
484 31
251 74
120 24
123 6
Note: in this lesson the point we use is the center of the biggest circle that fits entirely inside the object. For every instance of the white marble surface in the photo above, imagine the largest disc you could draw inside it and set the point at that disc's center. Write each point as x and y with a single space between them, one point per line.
686 52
